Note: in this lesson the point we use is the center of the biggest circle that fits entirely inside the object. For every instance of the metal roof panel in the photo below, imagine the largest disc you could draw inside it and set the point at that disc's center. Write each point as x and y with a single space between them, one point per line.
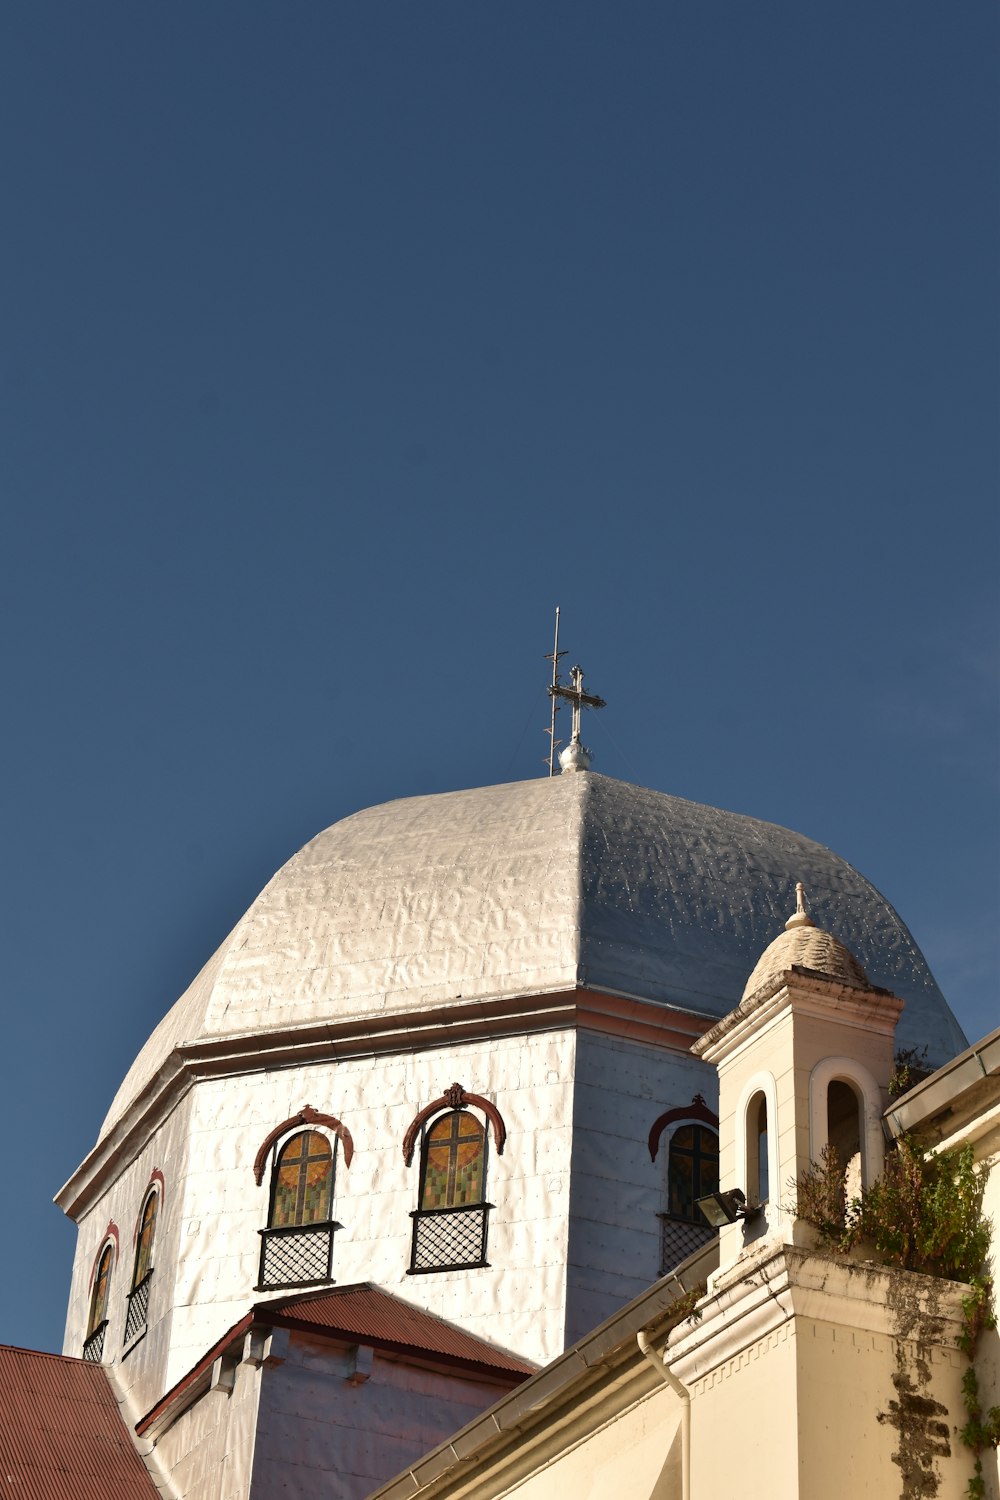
61 1437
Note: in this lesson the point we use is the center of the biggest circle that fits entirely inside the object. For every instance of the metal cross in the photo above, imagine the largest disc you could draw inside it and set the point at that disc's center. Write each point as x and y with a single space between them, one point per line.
577 698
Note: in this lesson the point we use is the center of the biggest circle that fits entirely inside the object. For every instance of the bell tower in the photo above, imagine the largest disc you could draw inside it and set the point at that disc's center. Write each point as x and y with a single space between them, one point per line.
803 1060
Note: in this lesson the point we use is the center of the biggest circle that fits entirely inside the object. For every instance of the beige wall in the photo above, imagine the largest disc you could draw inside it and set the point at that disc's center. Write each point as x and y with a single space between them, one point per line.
811 1378
633 1456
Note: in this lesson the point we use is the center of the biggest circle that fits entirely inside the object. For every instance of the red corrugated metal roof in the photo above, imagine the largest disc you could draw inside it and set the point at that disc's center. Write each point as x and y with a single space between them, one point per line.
365 1314
360 1313
61 1437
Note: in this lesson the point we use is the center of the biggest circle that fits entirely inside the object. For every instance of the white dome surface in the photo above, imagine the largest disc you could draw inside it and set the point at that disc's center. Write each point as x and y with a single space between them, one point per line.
531 887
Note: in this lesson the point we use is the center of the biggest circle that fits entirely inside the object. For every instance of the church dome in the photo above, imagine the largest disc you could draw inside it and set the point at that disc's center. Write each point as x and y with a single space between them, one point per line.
804 945
532 887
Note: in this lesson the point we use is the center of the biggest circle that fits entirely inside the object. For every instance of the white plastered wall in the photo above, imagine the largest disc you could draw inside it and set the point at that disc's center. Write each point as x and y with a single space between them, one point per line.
139 1372
209 1451
614 1239
207 1248
573 1235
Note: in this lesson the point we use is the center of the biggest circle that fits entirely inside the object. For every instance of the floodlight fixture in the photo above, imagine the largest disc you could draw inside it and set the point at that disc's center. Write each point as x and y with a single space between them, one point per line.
726 1208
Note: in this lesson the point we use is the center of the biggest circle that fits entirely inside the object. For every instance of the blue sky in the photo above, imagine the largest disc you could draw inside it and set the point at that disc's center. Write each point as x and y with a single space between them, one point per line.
342 342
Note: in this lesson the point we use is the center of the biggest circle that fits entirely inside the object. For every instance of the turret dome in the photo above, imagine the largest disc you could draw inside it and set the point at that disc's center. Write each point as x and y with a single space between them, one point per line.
804 945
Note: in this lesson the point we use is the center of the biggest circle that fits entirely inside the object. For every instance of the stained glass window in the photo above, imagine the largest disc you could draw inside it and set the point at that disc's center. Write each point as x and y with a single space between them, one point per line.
302 1191
693 1169
454 1162
99 1296
144 1244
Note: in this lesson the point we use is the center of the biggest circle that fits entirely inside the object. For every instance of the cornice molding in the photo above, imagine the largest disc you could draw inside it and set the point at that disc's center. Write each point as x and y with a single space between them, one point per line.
766 1288
801 992
647 1022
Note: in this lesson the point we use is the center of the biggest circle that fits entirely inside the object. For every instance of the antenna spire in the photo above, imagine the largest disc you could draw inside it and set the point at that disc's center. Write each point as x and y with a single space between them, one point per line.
553 657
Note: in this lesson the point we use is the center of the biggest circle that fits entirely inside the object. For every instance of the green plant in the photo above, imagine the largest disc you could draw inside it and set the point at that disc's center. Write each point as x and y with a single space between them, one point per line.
925 1213
821 1197
686 1309
977 1313
982 1430
911 1067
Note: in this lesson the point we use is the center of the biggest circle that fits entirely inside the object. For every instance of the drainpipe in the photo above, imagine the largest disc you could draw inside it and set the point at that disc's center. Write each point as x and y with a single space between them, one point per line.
682 1392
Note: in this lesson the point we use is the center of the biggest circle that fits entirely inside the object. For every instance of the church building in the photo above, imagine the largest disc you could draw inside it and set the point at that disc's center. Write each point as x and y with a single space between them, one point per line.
442 1105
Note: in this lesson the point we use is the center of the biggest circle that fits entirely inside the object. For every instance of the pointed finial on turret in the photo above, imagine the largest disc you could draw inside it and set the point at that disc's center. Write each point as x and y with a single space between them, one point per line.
800 917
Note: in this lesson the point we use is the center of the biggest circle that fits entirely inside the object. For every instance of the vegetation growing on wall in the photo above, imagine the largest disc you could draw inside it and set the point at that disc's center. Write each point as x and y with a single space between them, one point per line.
925 1213
911 1067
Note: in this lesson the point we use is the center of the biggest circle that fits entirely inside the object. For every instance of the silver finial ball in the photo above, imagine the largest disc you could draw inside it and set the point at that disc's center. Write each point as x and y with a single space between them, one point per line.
575 757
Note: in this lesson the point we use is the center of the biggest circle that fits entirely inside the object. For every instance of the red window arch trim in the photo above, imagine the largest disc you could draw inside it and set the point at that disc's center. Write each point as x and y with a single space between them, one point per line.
306 1116
111 1233
696 1110
455 1098
155 1181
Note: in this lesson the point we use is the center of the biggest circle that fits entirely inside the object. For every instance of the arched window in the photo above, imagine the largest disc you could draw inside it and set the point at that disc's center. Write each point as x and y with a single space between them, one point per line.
843 1131
757 1160
136 1316
297 1245
845 1111
692 1171
97 1322
451 1221
453 1166
843 1119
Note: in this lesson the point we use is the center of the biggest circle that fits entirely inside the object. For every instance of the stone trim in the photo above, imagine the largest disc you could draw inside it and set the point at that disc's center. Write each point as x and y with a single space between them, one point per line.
155 1181
455 1098
111 1233
806 993
696 1110
305 1116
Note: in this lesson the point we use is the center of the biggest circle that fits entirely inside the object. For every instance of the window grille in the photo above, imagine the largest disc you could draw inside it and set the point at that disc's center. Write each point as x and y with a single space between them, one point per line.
93 1348
678 1239
296 1256
137 1313
449 1239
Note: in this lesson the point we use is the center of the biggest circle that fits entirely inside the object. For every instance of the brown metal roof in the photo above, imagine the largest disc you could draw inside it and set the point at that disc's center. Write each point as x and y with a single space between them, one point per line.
365 1314
357 1314
61 1437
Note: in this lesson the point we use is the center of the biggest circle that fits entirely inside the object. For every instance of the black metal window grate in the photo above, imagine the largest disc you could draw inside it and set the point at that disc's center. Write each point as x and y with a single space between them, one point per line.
298 1256
449 1239
138 1308
679 1238
93 1349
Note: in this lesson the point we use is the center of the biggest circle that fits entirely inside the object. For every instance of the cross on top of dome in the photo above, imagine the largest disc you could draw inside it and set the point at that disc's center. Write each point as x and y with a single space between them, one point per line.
575 756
